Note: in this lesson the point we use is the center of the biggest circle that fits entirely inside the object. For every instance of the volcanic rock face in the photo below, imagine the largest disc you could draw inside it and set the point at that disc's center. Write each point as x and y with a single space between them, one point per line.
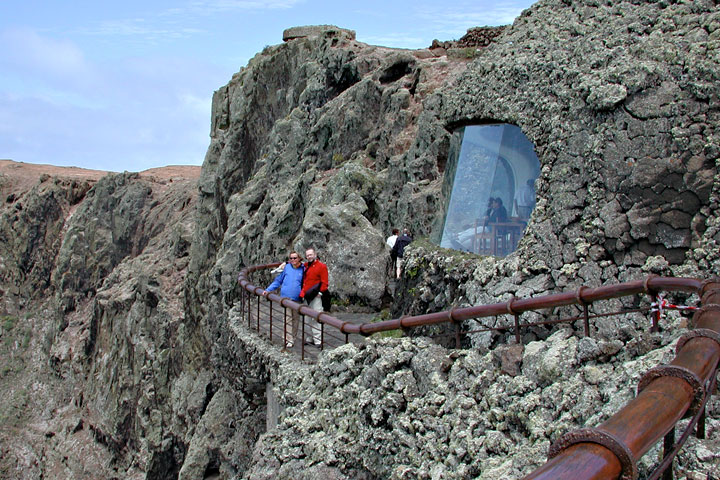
325 121
92 278
124 354
619 99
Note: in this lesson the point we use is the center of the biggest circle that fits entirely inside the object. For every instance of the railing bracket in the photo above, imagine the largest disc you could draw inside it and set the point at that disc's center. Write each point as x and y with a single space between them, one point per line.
603 438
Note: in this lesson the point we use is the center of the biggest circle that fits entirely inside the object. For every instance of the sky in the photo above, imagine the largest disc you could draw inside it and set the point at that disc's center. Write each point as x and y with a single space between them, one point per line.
127 86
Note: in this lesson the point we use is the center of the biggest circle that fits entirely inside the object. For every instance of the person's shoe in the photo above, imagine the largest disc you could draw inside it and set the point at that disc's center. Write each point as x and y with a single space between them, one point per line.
289 345
318 344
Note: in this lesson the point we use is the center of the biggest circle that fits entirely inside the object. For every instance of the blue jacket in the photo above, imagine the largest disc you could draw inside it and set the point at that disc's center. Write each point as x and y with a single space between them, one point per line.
289 281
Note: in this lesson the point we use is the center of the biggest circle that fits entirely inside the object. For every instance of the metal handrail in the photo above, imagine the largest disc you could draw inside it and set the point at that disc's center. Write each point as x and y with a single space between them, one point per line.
652 285
666 394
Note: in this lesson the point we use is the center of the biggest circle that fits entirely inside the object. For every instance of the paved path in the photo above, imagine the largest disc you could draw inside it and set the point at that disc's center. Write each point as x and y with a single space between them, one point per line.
333 337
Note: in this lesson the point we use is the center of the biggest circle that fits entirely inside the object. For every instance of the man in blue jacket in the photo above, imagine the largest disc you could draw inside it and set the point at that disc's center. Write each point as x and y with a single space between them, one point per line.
290 283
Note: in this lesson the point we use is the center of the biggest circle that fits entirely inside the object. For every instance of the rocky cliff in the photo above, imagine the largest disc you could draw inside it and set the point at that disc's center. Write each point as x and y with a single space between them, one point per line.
92 277
619 99
123 354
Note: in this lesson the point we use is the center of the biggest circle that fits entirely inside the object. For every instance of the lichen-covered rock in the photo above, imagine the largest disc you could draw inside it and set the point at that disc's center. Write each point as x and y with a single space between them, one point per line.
411 409
97 337
324 141
327 122
617 98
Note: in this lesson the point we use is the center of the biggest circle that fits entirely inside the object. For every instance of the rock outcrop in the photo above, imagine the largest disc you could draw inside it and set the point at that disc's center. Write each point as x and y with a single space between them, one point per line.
617 97
94 380
326 121
123 354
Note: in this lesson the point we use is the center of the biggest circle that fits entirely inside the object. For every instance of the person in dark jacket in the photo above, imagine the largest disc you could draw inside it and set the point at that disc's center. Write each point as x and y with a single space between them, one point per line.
497 212
398 249
391 243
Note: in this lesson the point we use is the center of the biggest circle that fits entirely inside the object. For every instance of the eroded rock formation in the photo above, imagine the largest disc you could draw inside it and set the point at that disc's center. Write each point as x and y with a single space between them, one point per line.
619 100
94 381
123 351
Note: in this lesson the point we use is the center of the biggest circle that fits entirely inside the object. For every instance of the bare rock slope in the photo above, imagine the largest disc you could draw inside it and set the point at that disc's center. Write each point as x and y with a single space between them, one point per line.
92 270
123 351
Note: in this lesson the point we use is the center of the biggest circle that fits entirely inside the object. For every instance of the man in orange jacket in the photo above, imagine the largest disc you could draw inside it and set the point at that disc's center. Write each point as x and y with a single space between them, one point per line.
314 286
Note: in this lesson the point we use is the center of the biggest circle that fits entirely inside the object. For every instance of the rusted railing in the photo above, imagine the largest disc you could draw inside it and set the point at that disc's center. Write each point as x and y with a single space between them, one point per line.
666 394
272 316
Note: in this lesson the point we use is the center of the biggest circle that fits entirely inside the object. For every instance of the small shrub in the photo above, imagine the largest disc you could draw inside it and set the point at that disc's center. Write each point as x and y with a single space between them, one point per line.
337 159
8 322
388 334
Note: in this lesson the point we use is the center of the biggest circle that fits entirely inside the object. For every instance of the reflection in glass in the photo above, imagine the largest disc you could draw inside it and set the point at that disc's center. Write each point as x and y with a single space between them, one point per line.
489 189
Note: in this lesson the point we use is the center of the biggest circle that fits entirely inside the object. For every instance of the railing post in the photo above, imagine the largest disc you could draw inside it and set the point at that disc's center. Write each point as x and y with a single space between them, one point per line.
249 306
302 339
242 301
271 312
700 432
258 313
285 340
322 335
668 445
347 338
510 310
457 335
656 314
586 314
711 389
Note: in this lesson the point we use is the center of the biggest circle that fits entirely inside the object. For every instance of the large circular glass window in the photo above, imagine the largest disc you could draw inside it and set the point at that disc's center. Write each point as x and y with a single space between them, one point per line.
489 189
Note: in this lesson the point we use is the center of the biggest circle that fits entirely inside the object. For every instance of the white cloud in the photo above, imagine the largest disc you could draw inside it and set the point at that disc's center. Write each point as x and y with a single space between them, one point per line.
212 6
26 49
444 21
179 22
456 20
140 27
146 112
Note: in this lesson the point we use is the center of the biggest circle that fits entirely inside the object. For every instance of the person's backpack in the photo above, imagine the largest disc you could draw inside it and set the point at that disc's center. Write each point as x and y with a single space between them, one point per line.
326 300
400 245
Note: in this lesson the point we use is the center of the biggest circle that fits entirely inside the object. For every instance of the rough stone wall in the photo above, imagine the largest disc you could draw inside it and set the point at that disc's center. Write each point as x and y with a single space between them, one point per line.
620 99
477 37
410 409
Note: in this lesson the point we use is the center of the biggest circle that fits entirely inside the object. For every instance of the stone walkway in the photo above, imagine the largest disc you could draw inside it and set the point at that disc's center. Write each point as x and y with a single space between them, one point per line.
333 337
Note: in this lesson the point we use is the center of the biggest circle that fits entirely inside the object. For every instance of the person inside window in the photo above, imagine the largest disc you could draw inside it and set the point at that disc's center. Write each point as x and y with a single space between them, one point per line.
525 199
498 213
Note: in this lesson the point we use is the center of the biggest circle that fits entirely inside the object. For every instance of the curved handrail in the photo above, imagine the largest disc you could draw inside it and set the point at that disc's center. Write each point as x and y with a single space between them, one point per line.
582 295
666 394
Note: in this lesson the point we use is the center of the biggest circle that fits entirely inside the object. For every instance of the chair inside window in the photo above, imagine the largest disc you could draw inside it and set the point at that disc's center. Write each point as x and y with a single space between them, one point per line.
483 240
